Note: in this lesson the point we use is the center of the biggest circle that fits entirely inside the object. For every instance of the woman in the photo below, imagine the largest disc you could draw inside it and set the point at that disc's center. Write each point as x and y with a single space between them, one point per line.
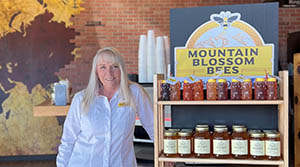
98 131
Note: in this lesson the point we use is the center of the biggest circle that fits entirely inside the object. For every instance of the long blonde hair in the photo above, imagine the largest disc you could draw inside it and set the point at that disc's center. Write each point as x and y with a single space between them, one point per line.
94 84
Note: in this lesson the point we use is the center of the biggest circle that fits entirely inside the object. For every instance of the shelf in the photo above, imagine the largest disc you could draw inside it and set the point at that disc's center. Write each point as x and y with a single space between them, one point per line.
223 102
47 109
221 161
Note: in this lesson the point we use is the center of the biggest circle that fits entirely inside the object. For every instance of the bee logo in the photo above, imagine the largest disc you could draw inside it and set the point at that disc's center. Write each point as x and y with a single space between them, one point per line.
225 19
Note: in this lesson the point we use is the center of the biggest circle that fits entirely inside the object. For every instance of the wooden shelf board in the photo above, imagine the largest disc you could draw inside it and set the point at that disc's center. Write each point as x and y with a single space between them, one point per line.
47 109
221 161
223 102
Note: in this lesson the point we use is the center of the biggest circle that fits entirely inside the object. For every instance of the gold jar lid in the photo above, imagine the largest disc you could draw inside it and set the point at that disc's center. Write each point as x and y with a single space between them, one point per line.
247 80
254 131
257 134
202 129
222 80
259 80
273 135
271 79
201 125
170 133
237 126
184 133
211 80
235 80
220 129
219 126
174 130
240 129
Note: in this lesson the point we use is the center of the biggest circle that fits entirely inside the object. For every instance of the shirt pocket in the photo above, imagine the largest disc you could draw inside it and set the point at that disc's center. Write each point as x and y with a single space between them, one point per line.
126 118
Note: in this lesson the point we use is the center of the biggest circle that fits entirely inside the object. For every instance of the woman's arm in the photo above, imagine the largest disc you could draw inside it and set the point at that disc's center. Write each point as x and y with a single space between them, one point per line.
71 131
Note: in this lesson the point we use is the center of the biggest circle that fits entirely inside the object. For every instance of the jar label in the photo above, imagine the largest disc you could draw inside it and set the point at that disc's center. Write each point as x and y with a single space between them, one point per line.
221 147
273 148
170 146
257 147
202 146
184 146
239 147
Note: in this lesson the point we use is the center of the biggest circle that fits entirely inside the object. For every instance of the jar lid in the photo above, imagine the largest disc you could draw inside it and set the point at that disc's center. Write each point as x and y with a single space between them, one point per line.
235 80
222 80
271 79
257 134
254 131
202 129
174 130
273 135
170 133
237 126
219 126
211 80
185 81
184 133
259 80
269 131
201 125
163 81
220 129
247 80
240 129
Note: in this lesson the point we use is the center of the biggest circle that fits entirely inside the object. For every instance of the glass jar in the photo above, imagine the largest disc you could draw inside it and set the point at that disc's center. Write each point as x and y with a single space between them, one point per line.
239 143
235 91
187 91
202 141
170 143
198 90
273 146
221 144
260 89
185 143
175 91
211 87
246 89
222 89
164 91
257 145
271 85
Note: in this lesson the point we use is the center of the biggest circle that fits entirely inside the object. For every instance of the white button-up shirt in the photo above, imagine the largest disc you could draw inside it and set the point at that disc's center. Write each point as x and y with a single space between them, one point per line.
103 137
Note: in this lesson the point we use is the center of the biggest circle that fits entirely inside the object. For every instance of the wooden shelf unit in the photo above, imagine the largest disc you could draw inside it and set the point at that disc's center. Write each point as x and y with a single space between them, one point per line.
282 104
47 109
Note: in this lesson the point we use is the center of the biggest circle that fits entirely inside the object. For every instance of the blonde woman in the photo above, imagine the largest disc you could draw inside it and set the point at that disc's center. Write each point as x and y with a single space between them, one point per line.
98 130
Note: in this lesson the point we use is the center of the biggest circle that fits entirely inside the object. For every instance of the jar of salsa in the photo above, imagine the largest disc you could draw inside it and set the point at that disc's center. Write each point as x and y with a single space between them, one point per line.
175 91
235 91
187 91
246 89
170 144
164 90
221 143
260 89
222 89
211 87
198 90
239 143
271 85
202 140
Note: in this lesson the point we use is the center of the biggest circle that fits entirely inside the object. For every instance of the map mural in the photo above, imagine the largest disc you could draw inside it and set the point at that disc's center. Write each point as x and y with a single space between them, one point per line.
34 44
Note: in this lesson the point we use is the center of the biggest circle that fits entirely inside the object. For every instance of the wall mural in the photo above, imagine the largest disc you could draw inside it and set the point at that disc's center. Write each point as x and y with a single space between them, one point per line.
34 44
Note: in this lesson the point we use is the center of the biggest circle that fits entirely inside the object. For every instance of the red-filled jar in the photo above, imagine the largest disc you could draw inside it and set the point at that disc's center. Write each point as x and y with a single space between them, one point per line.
221 143
198 90
211 87
187 91
246 89
260 89
271 85
175 91
222 89
235 91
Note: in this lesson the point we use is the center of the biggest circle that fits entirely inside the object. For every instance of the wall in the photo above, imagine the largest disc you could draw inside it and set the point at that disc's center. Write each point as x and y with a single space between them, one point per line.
123 22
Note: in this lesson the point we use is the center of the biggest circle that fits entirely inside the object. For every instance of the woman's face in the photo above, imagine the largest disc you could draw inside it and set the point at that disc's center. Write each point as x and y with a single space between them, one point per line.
109 74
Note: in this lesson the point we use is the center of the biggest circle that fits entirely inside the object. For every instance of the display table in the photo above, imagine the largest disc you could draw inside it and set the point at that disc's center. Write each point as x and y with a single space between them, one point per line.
47 109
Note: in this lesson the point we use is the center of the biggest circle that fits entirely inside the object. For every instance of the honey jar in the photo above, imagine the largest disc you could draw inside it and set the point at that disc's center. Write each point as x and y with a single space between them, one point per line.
260 89
185 143
221 142
235 91
164 90
273 146
187 92
246 89
239 143
198 90
175 91
222 89
202 142
271 85
211 87
170 143
257 145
